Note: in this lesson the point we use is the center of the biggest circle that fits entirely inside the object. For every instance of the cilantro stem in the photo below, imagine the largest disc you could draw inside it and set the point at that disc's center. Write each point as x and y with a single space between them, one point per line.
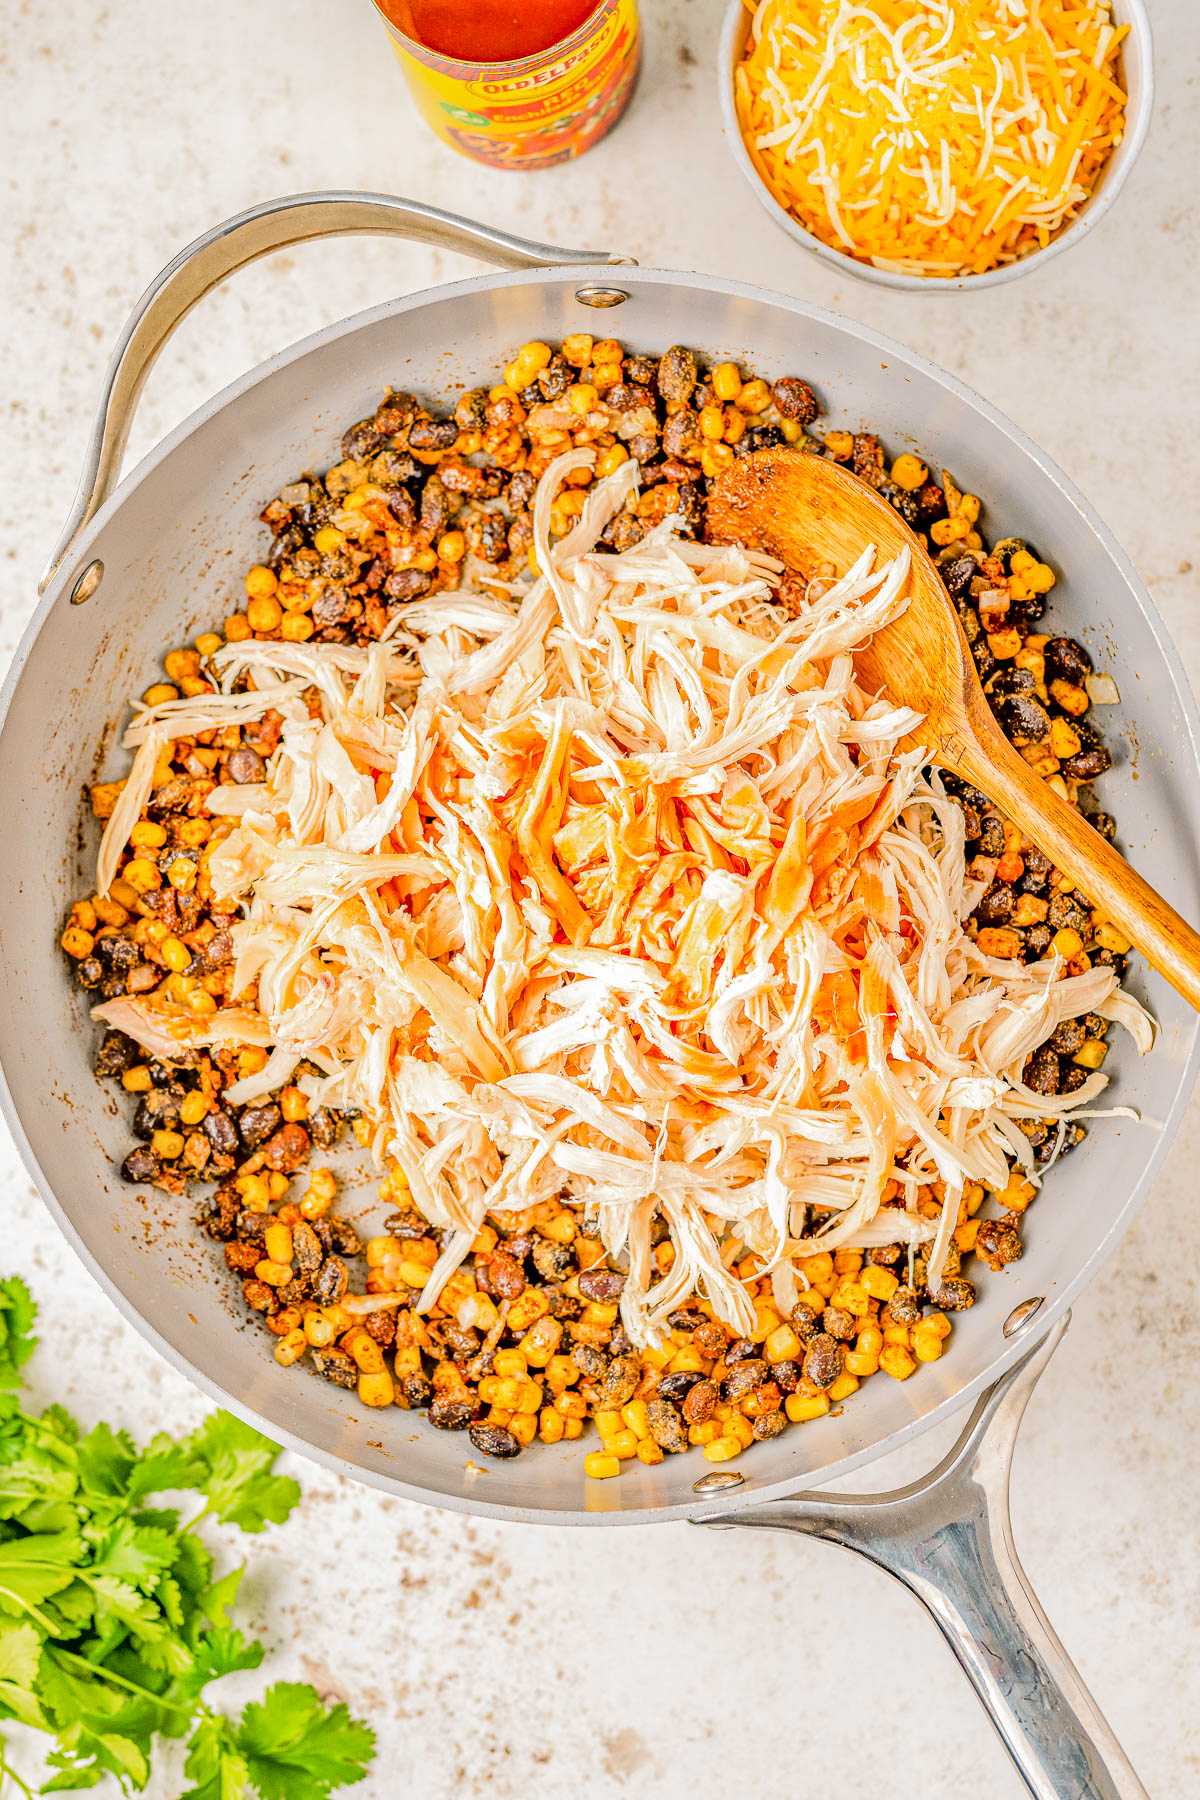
46 1624
109 1675
8 1772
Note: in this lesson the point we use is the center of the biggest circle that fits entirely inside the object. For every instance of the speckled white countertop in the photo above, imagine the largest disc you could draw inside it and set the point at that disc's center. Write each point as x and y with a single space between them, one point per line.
658 1662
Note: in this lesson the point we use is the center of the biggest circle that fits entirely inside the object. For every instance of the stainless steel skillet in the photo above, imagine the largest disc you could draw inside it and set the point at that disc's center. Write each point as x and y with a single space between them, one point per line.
161 557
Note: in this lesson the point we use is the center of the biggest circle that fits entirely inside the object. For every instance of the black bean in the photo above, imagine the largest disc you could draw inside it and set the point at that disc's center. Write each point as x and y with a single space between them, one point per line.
417 1390
589 1361
344 1237
768 1425
685 1318
741 1349
903 1308
824 1360
742 1378
998 1243
679 1385
786 1375
362 440
451 1415
221 1133
619 1382
406 584
116 1054
1037 941
494 1440
1041 1071
306 1247
1024 718
795 399
759 437
1067 914
958 575
433 434
158 1111
243 765
603 1285
336 1366
666 1427
1087 764
1067 1037
1066 660
676 373
141 1165
997 905
331 1281
954 1295
701 1403
257 1123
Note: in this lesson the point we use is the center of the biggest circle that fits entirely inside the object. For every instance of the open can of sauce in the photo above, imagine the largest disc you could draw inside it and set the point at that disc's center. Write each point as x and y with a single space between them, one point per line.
517 84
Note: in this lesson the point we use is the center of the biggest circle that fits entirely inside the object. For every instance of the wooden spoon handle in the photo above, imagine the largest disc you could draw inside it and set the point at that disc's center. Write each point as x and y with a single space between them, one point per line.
1112 885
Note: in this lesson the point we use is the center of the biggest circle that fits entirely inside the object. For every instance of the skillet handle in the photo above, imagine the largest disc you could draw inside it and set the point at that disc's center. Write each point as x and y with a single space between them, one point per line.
230 246
948 1539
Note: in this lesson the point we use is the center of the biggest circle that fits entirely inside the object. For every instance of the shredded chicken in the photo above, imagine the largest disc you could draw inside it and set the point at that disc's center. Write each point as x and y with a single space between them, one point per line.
624 893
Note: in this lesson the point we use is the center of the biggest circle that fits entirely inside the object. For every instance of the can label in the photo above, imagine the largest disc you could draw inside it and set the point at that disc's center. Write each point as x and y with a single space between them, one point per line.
536 112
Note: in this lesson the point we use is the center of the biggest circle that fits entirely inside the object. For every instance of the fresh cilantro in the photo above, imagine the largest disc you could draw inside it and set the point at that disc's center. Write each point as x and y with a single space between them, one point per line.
112 1626
17 1314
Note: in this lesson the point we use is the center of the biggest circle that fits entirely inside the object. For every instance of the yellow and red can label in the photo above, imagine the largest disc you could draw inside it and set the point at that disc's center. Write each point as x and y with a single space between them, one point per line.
536 112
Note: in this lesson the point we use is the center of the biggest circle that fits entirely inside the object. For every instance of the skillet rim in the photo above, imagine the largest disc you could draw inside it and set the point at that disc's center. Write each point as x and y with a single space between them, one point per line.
754 1493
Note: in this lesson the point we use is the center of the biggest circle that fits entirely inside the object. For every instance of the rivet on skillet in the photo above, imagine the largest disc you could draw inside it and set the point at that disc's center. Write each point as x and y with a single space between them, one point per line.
1021 1315
719 1479
601 296
88 582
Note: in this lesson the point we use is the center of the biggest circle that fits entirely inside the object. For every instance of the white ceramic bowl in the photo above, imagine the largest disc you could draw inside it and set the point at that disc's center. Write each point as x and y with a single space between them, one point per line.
1137 53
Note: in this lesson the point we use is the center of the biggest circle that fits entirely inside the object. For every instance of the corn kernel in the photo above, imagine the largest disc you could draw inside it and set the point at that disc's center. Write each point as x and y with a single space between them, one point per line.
712 423
291 1348
273 1273
782 1345
583 398
264 614
167 1144
1092 1054
636 1418
141 875
296 628
880 1283
277 1241
376 1388
600 1466
754 397
77 942
649 1452
261 582
318 1330
897 1335
895 1361
722 1449
256 1195
176 954
910 473
799 1407
1109 938
840 445
927 1346
193 1108
146 835
622 1444
208 642
727 381
293 1104
861 1364
842 1387
550 1425
523 1426
1066 943
237 628
571 1406
948 531
577 348
708 1433
687 1361
510 1362
136 1080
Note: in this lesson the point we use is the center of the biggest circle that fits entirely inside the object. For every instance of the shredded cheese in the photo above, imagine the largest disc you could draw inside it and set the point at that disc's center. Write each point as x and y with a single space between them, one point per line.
932 137
633 902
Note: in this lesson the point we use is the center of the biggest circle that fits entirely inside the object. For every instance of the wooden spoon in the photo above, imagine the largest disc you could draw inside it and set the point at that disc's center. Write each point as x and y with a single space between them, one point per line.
808 511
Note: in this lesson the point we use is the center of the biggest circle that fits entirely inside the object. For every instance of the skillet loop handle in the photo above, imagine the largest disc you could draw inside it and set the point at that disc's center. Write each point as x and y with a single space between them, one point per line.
948 1539
230 246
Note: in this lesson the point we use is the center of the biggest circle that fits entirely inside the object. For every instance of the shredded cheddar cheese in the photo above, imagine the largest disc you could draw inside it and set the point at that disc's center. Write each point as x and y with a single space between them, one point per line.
937 138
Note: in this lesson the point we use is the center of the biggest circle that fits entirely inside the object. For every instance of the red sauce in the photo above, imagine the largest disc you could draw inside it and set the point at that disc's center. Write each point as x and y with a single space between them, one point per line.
488 31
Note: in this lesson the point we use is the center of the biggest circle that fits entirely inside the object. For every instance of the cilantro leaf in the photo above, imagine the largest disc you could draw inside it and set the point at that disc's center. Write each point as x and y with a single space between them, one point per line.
236 1474
18 1311
215 1763
112 1625
297 1749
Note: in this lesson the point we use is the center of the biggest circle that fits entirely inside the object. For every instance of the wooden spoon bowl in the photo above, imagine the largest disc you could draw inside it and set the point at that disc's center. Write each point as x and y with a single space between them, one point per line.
810 512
